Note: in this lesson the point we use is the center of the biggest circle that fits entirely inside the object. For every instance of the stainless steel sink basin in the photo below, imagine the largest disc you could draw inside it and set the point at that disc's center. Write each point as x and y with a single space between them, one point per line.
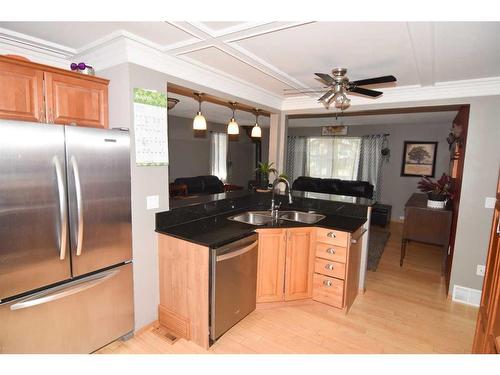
302 217
264 217
253 217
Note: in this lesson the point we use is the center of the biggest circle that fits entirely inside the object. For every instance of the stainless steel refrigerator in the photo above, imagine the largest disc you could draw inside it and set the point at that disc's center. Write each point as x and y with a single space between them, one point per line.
65 238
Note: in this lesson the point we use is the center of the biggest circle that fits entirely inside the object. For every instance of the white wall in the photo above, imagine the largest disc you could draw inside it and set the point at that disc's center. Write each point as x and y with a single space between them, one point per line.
145 181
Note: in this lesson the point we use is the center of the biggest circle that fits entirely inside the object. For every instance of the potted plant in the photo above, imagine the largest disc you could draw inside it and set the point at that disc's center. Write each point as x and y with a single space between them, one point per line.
265 169
438 192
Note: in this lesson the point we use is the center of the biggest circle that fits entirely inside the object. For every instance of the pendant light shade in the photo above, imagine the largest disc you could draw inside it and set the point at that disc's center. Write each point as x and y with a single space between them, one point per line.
199 121
256 130
232 126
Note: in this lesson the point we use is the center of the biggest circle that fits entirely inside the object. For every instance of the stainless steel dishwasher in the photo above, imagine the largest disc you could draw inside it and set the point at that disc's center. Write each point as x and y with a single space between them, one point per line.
233 284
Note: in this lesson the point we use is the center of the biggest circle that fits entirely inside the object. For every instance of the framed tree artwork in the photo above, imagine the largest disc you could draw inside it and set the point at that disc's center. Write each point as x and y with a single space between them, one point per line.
419 159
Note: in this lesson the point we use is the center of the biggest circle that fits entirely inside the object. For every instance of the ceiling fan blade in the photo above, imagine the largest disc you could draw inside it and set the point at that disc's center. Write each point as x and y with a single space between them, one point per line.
366 92
372 81
329 93
326 77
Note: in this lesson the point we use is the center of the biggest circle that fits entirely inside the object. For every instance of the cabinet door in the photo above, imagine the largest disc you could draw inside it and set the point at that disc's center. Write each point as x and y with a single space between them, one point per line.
72 100
271 265
21 96
299 263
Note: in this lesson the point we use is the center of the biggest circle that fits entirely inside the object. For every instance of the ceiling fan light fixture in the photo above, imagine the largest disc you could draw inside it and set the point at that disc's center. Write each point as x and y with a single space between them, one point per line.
233 127
199 121
171 102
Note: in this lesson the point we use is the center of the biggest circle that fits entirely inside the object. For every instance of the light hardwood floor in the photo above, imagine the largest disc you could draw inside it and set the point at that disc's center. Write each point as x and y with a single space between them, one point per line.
404 310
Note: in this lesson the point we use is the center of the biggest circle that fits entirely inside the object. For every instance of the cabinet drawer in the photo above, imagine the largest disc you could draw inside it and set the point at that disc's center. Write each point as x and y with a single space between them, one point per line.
331 252
328 290
331 236
329 268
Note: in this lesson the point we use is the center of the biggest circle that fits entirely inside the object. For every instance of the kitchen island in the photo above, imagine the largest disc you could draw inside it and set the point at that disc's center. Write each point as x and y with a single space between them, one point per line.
320 261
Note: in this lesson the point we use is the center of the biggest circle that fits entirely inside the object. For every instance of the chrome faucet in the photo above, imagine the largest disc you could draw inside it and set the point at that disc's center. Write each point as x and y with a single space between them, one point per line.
274 208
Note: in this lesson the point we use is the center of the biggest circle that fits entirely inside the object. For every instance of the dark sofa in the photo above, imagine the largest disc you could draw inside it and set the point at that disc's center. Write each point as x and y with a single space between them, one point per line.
334 186
201 184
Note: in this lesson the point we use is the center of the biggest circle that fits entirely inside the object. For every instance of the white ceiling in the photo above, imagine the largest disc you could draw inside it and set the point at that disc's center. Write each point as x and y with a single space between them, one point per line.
445 118
188 107
278 55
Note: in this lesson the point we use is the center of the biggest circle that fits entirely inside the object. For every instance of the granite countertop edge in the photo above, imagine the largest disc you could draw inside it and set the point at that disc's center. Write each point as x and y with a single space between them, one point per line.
214 231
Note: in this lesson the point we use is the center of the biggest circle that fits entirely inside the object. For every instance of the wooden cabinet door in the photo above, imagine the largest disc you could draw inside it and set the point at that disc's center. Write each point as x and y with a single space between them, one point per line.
271 265
299 264
71 100
21 94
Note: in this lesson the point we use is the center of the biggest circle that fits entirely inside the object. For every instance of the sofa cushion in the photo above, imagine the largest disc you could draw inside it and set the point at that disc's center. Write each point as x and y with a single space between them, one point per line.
334 186
212 184
194 184
201 184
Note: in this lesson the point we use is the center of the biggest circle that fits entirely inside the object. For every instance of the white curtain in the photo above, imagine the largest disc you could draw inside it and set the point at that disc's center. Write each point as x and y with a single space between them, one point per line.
332 157
370 162
218 155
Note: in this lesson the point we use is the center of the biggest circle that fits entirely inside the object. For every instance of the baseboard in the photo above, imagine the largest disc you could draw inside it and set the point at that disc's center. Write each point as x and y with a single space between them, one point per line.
466 295
147 327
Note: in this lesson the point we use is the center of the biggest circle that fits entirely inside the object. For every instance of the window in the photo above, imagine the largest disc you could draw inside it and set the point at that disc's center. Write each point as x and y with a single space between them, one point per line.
218 155
334 157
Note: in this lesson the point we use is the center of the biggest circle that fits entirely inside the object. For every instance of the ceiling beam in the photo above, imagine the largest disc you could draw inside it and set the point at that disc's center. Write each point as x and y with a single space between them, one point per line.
388 111
422 40
179 90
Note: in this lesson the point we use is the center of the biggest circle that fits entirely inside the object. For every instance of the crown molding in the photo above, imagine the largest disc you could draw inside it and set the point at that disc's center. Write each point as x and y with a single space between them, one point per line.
441 90
126 48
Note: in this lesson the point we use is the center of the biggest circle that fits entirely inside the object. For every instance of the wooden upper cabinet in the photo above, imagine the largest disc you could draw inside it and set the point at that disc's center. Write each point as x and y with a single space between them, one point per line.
35 92
78 101
271 265
21 92
300 256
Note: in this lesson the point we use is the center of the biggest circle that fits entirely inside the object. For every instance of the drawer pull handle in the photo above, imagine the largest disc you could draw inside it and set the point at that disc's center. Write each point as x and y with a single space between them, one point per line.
329 266
331 235
330 250
327 283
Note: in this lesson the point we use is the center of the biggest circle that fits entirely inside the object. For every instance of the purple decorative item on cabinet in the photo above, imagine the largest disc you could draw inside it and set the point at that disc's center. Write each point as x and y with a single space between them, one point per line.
82 68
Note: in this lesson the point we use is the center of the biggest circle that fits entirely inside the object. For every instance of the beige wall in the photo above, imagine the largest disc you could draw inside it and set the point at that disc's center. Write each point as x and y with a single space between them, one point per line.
397 189
144 181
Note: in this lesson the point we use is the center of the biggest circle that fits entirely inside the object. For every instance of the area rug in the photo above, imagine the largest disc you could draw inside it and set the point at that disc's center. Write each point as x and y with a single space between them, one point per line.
376 246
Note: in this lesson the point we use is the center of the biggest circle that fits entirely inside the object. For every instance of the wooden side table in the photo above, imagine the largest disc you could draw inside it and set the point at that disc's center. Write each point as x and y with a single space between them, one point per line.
426 225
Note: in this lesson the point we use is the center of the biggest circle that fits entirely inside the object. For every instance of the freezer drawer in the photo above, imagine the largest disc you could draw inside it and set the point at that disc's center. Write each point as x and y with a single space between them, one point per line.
77 317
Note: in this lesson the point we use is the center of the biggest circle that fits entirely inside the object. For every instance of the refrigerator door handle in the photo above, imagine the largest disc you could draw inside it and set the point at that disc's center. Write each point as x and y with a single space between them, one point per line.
79 209
57 293
63 210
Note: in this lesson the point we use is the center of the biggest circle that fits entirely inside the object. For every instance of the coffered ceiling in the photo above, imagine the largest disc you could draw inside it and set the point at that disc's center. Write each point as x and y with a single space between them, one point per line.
274 56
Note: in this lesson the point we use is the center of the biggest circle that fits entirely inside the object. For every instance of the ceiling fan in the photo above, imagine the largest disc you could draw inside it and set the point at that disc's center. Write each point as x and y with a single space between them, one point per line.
338 86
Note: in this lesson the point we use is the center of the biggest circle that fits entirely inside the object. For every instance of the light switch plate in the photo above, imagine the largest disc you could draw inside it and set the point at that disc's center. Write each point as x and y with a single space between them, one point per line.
152 202
489 202
480 270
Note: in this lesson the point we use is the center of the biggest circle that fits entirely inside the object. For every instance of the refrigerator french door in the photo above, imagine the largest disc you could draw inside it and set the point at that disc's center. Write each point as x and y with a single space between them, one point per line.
65 238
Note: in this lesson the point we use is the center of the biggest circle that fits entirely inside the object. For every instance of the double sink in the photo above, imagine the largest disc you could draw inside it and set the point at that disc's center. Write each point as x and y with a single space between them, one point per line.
265 217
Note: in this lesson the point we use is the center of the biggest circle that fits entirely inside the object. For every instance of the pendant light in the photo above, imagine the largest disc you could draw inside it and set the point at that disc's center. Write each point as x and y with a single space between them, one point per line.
232 126
199 122
256 130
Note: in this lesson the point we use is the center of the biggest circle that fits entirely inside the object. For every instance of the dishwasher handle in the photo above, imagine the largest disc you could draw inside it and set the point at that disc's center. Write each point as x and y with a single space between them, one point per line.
236 253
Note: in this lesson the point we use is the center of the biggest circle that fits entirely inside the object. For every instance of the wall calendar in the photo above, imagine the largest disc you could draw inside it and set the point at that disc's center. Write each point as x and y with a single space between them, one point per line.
150 127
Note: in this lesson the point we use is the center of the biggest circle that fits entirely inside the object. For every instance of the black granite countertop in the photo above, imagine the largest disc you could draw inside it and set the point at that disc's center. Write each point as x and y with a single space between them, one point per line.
218 230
